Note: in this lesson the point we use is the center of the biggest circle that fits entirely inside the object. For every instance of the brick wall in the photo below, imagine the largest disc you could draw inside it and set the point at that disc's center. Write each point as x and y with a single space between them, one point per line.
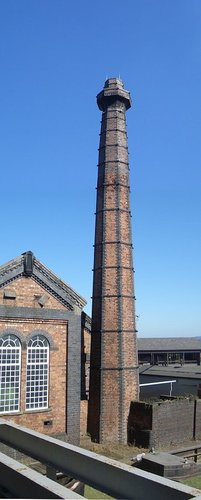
164 423
63 411
57 383
85 363
27 293
85 355
172 422
83 416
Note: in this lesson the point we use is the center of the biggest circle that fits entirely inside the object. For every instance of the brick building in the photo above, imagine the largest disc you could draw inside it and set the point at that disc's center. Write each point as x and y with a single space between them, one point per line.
168 350
40 349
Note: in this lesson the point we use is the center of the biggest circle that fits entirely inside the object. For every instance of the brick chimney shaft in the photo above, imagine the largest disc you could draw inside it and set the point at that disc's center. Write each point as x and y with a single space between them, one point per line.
114 370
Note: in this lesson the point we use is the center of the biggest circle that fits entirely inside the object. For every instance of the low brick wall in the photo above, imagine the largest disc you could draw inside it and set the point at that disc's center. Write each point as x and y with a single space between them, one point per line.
164 423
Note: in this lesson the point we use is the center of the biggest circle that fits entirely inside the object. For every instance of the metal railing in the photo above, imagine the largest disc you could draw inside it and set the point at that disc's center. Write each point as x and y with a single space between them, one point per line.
193 451
118 480
159 383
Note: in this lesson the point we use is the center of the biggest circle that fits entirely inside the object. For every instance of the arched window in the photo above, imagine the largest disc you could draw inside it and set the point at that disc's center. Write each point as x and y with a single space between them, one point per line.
37 373
10 364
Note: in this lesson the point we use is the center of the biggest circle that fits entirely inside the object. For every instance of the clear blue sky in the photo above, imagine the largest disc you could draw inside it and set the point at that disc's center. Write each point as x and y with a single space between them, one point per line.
54 58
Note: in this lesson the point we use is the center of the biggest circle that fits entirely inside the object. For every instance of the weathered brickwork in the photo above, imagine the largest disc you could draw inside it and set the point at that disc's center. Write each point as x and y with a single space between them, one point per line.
83 416
164 423
27 295
26 292
85 363
40 303
113 369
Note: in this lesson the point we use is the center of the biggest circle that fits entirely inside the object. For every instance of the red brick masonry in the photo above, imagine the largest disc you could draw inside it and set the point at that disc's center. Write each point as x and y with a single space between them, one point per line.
113 370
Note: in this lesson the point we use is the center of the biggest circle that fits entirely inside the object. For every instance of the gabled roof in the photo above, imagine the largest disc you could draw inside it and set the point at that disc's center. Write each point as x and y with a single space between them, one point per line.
169 344
28 265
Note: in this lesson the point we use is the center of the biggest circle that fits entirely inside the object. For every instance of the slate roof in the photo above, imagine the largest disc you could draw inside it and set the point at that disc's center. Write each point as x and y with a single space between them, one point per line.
16 268
171 371
169 344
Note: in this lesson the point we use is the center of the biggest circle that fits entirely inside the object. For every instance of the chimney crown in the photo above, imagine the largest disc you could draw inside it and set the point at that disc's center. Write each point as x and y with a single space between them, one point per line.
113 90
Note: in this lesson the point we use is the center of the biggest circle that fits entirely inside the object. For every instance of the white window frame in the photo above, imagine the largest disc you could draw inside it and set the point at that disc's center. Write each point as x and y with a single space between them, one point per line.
37 378
10 374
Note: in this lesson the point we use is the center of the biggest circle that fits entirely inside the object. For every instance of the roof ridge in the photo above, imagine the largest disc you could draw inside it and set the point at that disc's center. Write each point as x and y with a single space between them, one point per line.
16 268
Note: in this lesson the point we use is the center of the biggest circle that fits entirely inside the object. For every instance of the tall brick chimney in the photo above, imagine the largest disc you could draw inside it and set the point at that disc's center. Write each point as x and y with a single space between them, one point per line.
113 370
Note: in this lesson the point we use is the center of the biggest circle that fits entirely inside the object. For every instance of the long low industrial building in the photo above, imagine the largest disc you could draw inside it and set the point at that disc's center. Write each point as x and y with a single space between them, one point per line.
169 350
